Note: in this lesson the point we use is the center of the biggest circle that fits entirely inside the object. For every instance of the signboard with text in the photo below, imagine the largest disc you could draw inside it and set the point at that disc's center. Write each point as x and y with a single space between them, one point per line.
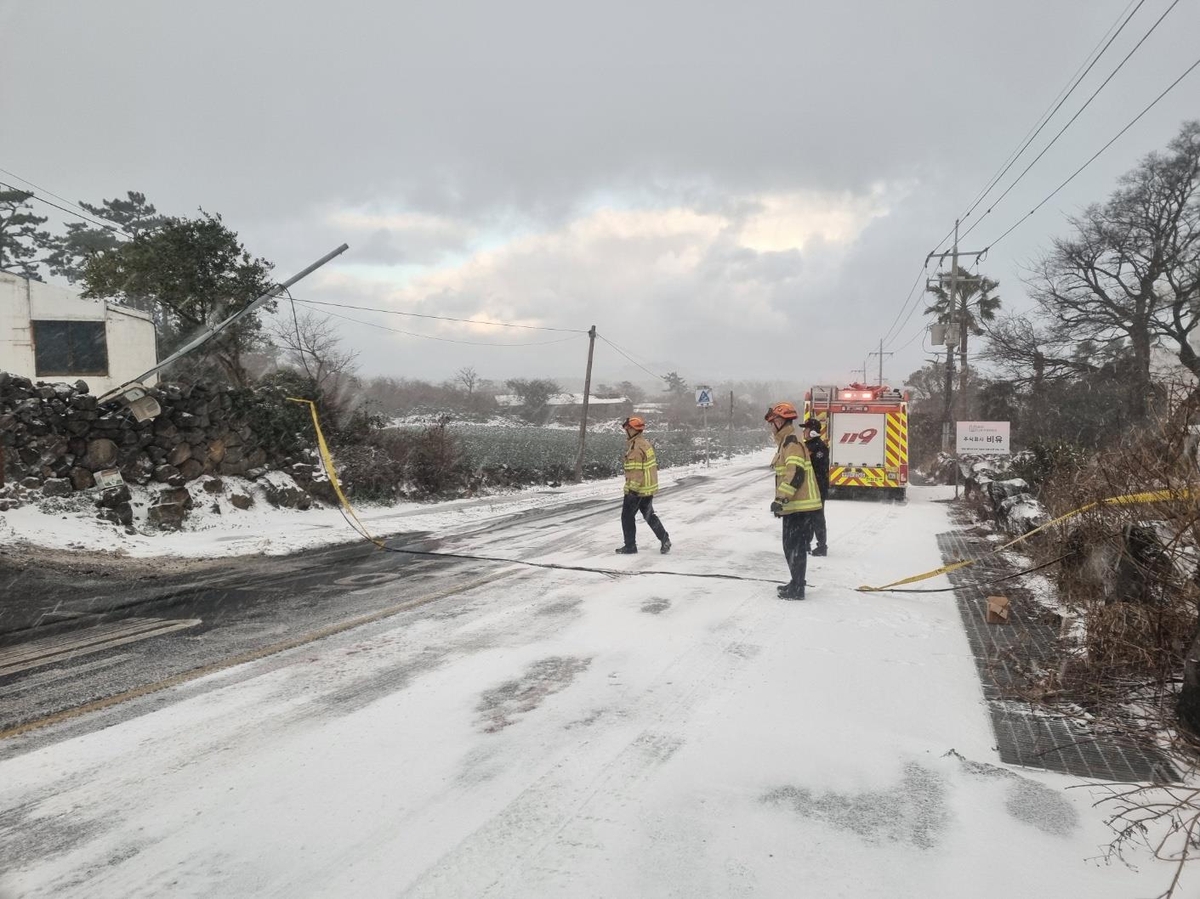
704 397
983 438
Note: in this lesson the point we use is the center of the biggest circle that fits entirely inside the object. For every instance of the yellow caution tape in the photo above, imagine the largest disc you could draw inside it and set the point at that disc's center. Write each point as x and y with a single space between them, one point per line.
1129 499
327 462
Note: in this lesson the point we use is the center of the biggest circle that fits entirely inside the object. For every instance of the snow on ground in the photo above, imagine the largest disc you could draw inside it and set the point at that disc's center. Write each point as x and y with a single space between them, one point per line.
566 734
70 523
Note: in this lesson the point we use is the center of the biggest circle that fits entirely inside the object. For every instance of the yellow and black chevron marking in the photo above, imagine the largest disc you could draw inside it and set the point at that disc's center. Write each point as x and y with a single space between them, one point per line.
896 448
841 476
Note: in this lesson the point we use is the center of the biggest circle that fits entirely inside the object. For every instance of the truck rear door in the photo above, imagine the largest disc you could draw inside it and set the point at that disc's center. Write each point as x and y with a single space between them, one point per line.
857 439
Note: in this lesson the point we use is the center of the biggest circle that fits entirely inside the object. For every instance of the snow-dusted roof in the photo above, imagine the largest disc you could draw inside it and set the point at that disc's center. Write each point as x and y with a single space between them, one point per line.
564 399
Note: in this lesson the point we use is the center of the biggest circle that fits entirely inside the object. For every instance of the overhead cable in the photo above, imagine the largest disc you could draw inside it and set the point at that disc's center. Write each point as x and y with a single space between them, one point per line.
444 318
1096 155
1079 112
1051 110
630 358
441 339
106 226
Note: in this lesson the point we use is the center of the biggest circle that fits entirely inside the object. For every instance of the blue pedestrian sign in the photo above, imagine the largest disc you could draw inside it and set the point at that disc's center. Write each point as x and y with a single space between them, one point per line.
704 397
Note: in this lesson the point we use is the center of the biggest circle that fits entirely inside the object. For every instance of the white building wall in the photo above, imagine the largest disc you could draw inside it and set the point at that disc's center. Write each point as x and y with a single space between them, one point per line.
128 333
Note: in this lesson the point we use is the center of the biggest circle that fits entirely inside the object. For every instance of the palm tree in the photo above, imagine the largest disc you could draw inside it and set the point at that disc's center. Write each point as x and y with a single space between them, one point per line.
972 294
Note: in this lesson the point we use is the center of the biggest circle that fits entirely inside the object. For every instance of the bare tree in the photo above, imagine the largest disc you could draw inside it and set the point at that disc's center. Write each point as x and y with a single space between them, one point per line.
468 378
1130 272
311 342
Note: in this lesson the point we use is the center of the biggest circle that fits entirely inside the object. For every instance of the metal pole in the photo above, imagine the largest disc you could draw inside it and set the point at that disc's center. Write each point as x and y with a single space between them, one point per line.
706 435
587 389
214 330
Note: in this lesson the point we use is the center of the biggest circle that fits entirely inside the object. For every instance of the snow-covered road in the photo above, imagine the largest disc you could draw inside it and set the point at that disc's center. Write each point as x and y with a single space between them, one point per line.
567 734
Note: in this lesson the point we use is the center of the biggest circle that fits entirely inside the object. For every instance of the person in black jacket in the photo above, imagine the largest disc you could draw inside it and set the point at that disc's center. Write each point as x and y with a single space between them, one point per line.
818 452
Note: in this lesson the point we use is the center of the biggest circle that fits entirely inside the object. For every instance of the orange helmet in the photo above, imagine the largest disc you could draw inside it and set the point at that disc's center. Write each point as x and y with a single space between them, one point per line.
784 411
634 423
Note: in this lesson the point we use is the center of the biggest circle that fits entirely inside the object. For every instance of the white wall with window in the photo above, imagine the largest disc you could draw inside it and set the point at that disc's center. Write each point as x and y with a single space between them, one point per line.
48 333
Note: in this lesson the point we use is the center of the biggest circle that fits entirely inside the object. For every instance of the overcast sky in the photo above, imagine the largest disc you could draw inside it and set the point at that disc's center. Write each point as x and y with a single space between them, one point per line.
730 190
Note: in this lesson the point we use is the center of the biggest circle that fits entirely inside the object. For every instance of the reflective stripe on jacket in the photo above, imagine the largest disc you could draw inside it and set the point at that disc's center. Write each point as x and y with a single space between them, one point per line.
795 482
641 467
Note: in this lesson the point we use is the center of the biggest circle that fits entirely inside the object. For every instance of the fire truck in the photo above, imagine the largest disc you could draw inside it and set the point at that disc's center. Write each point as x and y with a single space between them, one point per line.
867 431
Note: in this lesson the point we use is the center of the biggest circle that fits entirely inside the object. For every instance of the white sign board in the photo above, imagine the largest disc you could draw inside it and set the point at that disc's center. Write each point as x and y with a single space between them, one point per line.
704 397
110 477
983 438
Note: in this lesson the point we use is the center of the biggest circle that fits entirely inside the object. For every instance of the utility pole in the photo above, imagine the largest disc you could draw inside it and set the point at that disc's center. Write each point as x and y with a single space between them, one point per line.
861 371
587 390
961 404
881 354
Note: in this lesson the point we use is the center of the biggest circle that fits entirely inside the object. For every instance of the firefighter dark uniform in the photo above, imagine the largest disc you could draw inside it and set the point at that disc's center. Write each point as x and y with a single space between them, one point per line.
641 483
797 496
818 454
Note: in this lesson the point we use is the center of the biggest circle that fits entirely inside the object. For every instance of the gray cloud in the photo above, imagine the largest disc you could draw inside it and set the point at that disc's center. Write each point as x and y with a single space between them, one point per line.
501 130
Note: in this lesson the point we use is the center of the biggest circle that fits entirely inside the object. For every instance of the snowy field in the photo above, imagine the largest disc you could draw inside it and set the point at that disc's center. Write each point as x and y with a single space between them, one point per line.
568 734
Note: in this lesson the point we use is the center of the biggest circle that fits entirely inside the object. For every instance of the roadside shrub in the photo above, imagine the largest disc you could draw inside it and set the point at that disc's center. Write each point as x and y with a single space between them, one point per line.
1045 460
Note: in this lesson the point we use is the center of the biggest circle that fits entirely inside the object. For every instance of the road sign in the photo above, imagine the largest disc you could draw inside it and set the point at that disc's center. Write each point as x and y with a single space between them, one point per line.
704 397
983 438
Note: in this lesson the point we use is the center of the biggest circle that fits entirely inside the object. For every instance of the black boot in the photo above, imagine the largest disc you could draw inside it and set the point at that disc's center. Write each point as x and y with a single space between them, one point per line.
791 591
626 550
820 551
666 545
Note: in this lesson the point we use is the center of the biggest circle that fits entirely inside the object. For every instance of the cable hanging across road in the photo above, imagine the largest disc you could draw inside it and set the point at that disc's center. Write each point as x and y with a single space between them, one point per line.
630 358
358 321
444 318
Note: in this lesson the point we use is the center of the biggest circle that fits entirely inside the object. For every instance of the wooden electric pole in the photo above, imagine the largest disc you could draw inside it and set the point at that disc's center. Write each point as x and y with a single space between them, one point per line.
880 354
587 389
953 301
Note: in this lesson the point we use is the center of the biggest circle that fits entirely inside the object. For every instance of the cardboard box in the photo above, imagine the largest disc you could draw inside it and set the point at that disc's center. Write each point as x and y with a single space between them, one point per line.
998 610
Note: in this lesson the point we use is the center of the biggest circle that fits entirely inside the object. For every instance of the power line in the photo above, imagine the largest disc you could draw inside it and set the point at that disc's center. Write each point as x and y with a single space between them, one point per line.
43 190
1132 122
630 358
1050 111
907 300
1064 95
440 339
107 227
444 318
1071 121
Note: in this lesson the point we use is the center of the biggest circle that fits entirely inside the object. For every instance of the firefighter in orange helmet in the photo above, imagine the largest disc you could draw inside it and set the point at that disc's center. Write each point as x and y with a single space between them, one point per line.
641 483
797 496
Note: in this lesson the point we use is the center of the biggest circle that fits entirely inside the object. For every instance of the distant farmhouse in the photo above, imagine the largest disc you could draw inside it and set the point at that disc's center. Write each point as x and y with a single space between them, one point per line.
48 333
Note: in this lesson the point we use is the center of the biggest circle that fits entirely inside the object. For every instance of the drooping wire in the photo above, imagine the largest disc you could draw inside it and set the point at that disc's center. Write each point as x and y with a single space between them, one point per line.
358 321
444 318
1096 155
630 358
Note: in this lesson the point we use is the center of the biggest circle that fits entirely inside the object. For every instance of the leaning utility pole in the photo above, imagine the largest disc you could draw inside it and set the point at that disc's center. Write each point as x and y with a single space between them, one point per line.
880 354
962 323
587 390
